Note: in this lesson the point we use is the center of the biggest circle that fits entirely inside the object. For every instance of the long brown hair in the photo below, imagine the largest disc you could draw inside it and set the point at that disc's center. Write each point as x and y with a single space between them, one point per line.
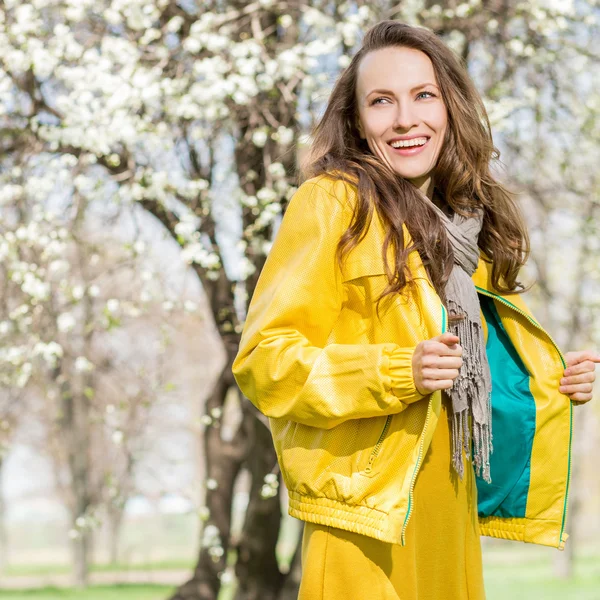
461 176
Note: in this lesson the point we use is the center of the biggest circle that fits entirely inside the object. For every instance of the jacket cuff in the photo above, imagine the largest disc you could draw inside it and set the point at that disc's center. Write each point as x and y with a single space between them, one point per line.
402 383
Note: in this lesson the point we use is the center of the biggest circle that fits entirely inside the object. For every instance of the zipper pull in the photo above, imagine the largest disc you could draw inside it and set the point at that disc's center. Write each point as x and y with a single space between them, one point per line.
368 468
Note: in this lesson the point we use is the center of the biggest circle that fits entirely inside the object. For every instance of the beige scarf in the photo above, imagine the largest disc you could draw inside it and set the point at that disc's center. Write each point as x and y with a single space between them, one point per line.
471 391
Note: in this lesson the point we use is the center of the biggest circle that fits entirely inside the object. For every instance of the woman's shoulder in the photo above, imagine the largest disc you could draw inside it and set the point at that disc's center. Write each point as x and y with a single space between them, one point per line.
324 202
335 185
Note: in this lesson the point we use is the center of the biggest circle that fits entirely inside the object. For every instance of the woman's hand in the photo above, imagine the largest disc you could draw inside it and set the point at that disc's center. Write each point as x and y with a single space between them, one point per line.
579 376
436 362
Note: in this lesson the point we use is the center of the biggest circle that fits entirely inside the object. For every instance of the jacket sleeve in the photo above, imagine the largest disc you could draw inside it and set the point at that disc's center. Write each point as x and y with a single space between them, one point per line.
284 364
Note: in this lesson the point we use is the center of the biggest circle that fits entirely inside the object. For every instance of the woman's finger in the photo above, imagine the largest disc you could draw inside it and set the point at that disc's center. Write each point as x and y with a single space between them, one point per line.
438 374
583 388
580 398
583 367
588 377
435 349
433 385
448 362
573 358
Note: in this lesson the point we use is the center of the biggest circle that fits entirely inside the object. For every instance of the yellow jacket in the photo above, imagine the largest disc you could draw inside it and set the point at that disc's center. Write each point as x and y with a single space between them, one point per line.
349 427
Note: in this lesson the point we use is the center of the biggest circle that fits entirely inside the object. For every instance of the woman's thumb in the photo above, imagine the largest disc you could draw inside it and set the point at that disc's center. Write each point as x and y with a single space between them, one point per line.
448 338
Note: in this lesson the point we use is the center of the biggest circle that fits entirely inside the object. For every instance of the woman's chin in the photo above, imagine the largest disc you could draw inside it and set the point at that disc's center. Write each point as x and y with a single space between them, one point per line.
417 178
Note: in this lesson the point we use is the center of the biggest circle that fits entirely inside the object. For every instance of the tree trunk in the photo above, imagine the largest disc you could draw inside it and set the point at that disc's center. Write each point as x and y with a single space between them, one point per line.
223 463
80 550
256 568
114 523
74 427
292 582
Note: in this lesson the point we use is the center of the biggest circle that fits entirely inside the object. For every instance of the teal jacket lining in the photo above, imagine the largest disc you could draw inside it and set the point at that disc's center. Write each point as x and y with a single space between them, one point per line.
513 424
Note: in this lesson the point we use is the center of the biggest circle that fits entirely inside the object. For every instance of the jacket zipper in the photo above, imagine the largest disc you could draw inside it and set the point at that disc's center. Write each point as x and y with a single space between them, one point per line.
420 457
378 445
562 358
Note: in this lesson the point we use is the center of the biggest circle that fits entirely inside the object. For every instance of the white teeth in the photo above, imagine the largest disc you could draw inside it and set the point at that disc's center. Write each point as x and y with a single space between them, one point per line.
409 143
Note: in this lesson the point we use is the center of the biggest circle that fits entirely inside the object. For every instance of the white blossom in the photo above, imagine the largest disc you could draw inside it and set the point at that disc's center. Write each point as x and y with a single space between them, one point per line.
268 491
139 246
211 536
266 196
37 289
186 228
175 24
285 20
216 552
226 577
83 365
78 292
245 268
344 61
66 322
113 305
50 352
259 138
190 306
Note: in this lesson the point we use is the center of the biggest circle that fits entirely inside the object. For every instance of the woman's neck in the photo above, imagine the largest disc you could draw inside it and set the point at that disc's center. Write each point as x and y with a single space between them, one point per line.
426 187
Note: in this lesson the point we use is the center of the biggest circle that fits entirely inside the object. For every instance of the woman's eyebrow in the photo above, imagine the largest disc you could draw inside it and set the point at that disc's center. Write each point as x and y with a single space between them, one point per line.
418 87
422 85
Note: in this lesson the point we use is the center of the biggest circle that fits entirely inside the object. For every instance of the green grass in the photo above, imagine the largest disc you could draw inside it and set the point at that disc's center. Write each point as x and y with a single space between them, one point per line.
42 570
527 573
99 592
531 583
512 572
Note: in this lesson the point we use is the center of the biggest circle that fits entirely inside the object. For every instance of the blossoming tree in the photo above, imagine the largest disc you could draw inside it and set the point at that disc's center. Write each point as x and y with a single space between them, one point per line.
149 91
71 295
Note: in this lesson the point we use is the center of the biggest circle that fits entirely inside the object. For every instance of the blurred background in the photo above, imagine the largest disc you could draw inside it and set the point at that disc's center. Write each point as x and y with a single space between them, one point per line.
147 152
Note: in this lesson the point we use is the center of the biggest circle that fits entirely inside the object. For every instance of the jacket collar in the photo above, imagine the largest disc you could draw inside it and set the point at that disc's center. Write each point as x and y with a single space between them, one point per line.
482 277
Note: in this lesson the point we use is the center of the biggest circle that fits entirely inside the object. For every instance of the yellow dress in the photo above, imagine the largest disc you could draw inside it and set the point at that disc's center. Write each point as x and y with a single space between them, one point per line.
442 556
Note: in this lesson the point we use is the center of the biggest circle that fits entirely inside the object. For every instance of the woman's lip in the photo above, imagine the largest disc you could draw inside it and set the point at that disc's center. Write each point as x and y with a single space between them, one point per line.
409 151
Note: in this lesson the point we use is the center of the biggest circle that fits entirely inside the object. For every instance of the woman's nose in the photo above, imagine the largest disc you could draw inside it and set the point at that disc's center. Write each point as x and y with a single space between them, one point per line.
405 116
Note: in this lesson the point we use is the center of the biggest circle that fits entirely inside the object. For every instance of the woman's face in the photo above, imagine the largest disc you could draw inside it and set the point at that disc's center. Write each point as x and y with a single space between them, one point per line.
401 112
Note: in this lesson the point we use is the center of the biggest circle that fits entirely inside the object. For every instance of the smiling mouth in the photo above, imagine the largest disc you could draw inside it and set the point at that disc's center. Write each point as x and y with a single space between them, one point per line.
413 143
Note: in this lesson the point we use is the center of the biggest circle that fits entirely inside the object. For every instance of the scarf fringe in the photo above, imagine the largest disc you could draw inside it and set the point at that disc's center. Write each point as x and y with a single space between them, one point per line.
469 389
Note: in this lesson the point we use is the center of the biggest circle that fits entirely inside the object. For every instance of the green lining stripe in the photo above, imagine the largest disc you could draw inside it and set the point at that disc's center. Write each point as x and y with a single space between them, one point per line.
410 493
564 519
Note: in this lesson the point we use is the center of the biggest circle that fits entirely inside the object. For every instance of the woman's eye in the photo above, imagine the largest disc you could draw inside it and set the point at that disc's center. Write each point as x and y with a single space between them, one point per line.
430 94
377 100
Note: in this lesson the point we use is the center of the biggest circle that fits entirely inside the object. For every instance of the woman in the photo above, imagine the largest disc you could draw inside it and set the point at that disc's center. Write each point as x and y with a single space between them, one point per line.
400 229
